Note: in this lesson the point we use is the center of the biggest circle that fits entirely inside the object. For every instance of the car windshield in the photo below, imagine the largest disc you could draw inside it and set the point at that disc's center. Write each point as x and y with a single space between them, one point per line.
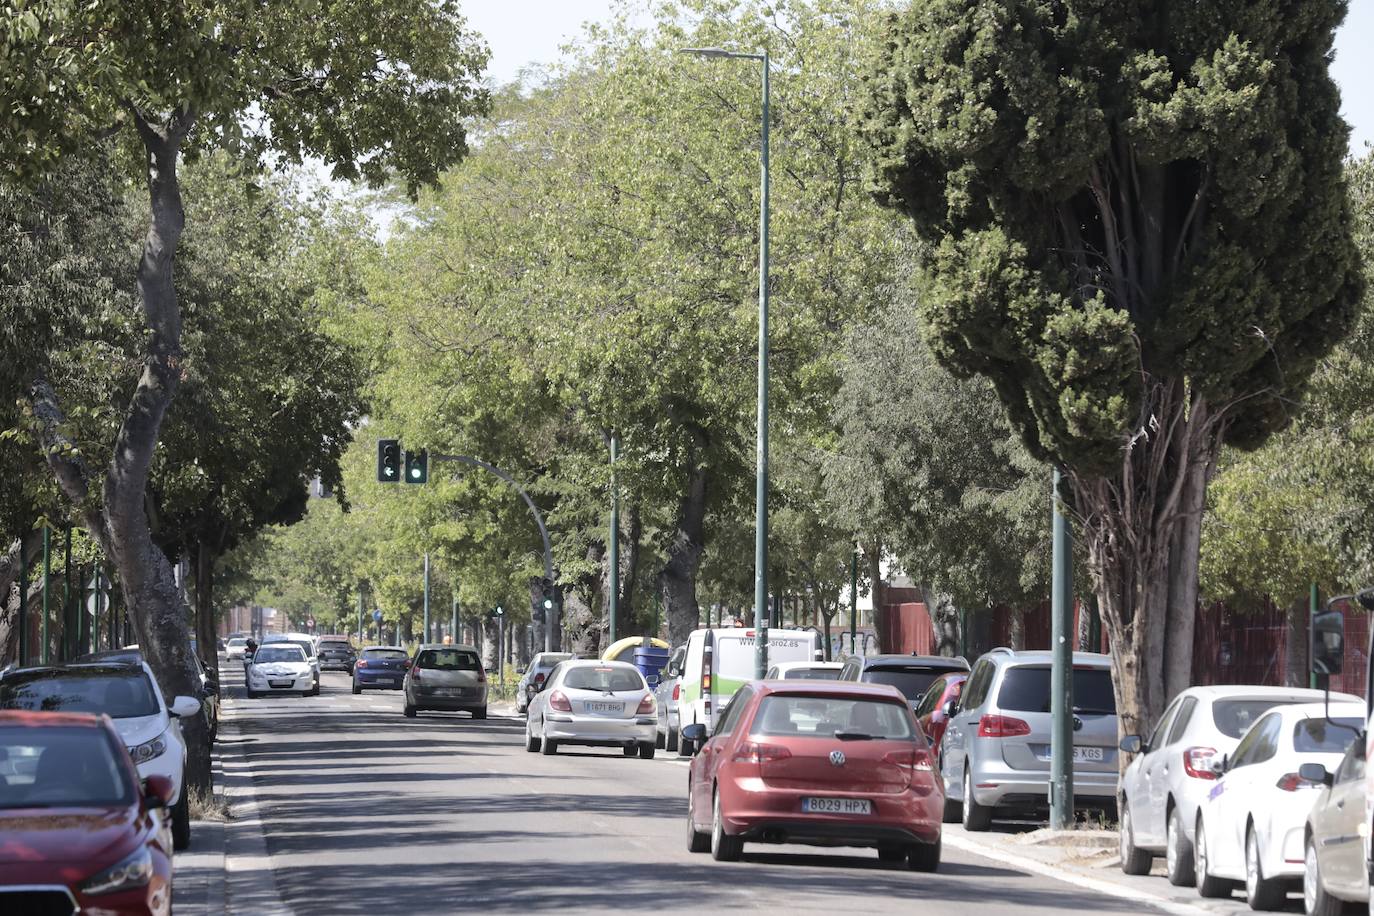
812 674
603 679
269 654
912 682
386 654
238 642
60 766
843 717
1234 717
1026 688
1318 736
125 693
448 660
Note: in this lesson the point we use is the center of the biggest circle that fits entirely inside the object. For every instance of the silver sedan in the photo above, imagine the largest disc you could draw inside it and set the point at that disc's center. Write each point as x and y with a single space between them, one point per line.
596 704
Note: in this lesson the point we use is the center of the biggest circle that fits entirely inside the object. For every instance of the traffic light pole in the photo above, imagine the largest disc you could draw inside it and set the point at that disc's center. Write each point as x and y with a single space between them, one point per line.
425 638
553 619
614 537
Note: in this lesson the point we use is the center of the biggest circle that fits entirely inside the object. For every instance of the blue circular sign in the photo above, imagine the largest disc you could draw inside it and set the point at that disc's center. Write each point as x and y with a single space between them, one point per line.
377 616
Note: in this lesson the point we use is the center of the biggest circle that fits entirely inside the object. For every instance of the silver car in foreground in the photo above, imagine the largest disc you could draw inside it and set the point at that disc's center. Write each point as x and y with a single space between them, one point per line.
593 703
995 755
446 678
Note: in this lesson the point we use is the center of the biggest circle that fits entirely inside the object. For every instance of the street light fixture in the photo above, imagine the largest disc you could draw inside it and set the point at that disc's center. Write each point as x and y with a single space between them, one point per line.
761 479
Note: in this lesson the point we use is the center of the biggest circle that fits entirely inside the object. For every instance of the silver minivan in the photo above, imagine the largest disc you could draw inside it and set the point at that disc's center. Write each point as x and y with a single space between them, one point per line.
448 678
995 755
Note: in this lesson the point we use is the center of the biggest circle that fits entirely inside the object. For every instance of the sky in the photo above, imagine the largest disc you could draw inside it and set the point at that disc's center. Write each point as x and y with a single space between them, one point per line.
521 32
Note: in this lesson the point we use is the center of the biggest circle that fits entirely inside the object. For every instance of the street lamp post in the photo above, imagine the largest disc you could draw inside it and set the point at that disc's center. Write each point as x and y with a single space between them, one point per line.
761 478
615 537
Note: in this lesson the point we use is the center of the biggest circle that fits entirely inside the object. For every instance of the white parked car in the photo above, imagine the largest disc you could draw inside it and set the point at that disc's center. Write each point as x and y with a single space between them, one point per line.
235 648
593 703
120 685
1333 862
1172 772
281 667
1251 827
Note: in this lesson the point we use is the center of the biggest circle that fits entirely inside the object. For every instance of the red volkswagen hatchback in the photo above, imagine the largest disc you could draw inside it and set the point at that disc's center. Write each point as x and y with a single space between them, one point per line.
78 833
837 763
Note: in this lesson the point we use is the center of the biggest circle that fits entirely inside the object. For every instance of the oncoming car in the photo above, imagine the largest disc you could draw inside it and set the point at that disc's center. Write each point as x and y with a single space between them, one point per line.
596 704
281 668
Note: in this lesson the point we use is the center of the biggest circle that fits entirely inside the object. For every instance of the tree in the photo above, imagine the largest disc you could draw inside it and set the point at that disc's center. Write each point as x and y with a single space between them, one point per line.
1140 234
164 80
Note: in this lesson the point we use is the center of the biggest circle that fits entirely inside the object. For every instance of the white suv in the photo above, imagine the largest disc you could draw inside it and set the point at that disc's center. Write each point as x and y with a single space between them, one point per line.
1172 774
121 685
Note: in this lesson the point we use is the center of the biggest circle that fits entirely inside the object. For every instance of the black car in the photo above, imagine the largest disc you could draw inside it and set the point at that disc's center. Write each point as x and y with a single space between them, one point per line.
336 653
910 674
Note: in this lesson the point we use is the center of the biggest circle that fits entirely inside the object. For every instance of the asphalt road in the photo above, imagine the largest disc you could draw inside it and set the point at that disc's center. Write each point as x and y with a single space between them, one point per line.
366 811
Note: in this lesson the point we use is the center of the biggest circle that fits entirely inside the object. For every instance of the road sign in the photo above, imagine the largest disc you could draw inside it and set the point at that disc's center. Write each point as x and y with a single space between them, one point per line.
310 622
377 616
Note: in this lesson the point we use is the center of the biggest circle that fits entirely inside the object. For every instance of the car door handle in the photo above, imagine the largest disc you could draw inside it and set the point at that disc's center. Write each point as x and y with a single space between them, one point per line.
1340 804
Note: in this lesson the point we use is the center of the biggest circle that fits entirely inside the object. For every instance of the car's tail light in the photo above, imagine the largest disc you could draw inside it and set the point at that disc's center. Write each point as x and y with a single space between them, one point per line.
559 700
758 752
362 663
1197 762
677 691
1002 727
481 676
646 706
414 674
539 678
706 683
1292 782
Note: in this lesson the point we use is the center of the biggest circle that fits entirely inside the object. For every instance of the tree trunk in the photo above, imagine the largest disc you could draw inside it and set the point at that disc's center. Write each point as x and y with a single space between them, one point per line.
584 619
678 578
205 611
1295 644
490 650
1141 529
878 590
522 644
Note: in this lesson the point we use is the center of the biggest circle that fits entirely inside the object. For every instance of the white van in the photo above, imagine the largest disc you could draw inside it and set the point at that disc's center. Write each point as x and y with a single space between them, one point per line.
721 661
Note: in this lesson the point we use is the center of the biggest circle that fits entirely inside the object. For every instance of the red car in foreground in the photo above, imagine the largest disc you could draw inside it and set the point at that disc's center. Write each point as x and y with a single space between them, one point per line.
837 763
78 832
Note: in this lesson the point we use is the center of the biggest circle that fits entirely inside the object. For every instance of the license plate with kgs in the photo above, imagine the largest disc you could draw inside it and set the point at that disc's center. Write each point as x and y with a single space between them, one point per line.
605 709
837 806
1088 755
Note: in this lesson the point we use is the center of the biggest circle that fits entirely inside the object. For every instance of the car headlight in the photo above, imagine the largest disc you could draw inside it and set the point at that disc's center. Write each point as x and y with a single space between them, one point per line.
134 871
149 749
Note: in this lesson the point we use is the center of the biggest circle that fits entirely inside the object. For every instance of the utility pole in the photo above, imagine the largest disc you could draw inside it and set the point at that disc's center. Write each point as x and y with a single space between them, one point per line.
854 601
1311 612
425 638
453 617
47 576
23 602
361 601
1061 672
614 536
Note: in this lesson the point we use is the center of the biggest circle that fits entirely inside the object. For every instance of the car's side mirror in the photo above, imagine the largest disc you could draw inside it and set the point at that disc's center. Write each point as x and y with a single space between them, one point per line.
1314 773
1219 767
1131 744
520 669
949 708
1328 642
695 734
157 792
183 707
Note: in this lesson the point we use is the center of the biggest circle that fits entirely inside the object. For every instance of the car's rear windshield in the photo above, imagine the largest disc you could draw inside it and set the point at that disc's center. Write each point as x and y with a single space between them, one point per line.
121 694
779 715
335 644
596 678
306 647
912 682
386 653
1026 688
1234 717
549 659
448 660
1318 736
60 766
236 641
270 654
812 674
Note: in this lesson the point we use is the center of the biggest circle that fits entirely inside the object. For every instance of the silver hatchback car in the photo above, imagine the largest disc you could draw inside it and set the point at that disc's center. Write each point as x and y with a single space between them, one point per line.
446 677
996 749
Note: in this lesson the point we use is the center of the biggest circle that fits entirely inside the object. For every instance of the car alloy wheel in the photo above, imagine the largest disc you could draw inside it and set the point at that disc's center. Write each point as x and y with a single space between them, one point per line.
696 840
1207 885
976 817
724 847
1134 861
1262 893
1178 854
1316 901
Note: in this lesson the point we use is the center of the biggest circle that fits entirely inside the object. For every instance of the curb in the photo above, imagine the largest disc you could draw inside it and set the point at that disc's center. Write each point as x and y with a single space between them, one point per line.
999 853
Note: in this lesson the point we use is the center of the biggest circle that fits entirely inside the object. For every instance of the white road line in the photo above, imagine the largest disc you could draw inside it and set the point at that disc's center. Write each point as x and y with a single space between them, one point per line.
1065 876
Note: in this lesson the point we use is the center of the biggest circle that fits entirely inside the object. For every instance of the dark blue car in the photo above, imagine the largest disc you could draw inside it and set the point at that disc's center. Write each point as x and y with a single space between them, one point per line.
380 668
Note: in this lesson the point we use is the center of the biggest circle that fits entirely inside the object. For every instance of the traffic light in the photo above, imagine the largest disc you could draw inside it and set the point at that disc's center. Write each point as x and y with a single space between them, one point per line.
417 466
388 460
498 611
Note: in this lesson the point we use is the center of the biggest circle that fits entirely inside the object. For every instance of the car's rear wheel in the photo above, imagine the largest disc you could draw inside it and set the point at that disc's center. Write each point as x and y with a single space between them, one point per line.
646 750
660 741
531 742
924 857
1178 851
548 747
479 713
1207 885
356 689
1316 901
724 847
630 750
1134 860
670 741
181 820
408 711
892 853
696 840
976 817
1261 892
